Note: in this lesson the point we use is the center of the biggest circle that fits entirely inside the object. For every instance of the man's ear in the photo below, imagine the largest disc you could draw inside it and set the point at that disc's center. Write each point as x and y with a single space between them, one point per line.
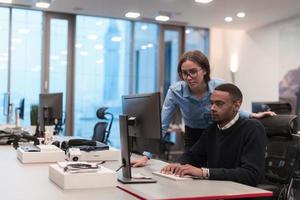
237 105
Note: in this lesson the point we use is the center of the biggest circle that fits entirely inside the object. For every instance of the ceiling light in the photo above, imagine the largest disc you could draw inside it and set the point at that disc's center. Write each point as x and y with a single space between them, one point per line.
162 18
188 31
98 46
23 30
5 1
241 14
78 45
144 47
132 14
83 53
149 45
99 23
92 37
116 39
228 19
43 3
203 1
99 61
144 27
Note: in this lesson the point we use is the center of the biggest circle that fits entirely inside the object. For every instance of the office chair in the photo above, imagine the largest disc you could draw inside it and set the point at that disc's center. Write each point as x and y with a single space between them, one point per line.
102 128
279 108
282 155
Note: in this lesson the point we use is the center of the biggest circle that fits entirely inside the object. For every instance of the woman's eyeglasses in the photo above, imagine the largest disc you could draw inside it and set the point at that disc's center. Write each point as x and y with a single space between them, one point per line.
193 73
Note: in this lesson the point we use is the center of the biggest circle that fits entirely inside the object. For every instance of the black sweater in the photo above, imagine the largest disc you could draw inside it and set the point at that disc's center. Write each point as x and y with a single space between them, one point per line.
235 154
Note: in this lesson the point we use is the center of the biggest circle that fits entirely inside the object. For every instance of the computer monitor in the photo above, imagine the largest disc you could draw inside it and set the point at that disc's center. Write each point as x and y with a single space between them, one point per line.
145 134
21 108
50 110
277 107
140 129
6 104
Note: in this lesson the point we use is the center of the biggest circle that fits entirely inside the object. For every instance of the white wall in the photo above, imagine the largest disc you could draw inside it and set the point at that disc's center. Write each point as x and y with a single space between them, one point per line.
260 59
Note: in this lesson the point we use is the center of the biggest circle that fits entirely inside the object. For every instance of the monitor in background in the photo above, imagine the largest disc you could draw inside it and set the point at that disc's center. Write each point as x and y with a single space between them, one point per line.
6 104
20 109
277 107
50 110
140 130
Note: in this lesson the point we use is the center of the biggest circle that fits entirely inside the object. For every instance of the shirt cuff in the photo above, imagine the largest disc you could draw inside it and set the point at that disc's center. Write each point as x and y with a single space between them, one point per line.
147 154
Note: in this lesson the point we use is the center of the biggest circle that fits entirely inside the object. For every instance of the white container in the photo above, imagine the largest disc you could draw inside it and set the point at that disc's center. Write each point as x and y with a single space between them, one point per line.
111 154
48 154
104 177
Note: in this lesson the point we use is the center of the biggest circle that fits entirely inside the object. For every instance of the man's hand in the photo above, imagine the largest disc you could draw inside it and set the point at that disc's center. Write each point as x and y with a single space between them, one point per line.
141 162
182 170
262 114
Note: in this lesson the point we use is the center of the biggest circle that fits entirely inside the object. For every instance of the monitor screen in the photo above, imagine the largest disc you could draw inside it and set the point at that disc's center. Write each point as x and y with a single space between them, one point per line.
21 108
145 134
50 109
6 104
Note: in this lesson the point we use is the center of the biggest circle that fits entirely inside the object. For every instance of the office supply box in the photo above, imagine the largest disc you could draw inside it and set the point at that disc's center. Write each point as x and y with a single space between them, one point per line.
102 177
40 154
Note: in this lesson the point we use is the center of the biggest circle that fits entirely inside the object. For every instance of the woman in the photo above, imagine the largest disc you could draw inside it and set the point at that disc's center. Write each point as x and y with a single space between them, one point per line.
192 96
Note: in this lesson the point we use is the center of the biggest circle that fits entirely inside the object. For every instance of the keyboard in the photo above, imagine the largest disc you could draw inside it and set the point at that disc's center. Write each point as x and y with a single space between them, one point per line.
174 177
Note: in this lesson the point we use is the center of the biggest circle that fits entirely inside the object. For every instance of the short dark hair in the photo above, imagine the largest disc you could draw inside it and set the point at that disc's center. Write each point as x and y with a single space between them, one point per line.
234 92
197 57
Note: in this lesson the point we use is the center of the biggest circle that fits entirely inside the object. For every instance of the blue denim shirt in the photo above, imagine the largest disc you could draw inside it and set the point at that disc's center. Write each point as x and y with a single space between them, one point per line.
195 112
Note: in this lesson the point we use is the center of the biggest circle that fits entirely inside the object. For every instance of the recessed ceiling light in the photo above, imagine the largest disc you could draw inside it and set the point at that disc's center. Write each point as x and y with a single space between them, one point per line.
98 46
228 19
5 1
188 31
43 3
203 1
149 45
162 18
132 15
241 14
78 45
116 39
23 30
92 37
144 27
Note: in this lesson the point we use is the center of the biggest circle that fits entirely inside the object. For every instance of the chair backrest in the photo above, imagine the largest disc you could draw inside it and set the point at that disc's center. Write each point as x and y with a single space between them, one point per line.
282 154
100 132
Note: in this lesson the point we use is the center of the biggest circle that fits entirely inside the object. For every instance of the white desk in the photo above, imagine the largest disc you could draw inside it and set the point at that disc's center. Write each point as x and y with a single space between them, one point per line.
30 181
191 189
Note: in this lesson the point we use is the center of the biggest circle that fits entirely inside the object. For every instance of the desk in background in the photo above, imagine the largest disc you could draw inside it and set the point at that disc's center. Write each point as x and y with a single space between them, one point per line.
30 181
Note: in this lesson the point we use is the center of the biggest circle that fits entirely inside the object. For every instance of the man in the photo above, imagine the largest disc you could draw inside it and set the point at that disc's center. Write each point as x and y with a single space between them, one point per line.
231 148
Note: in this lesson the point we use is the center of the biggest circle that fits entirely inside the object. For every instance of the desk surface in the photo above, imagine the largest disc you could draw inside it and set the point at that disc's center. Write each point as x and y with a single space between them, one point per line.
189 189
30 181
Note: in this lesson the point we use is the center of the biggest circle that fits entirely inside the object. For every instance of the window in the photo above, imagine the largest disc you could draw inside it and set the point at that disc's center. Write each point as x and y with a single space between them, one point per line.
197 39
146 47
26 56
102 71
4 30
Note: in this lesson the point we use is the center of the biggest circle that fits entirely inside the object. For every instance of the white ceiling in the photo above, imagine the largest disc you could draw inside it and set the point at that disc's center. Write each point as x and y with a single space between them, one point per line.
258 12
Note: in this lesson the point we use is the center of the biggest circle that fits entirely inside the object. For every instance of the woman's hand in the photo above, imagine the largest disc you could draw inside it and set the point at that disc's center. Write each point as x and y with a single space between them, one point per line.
262 114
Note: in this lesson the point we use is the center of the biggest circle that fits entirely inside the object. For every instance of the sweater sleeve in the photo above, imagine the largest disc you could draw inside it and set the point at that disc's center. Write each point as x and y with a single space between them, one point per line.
251 166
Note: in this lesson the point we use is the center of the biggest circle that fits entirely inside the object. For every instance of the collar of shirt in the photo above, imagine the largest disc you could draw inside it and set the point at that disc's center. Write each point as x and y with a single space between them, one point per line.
187 93
229 124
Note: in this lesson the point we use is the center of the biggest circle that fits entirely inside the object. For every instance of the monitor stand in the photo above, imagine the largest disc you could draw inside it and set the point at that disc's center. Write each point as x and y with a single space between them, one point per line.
126 177
135 180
